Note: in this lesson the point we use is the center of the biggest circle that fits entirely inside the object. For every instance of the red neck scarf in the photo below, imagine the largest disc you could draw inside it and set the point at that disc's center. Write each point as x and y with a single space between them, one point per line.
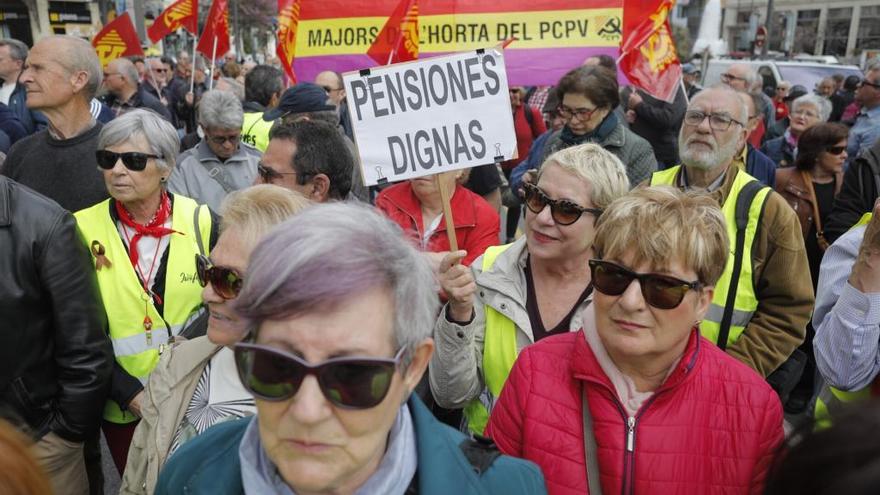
153 229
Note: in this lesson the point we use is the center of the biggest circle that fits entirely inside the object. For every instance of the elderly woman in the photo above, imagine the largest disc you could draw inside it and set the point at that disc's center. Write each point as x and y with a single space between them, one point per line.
335 409
637 399
589 96
219 163
144 242
416 206
195 384
806 111
517 294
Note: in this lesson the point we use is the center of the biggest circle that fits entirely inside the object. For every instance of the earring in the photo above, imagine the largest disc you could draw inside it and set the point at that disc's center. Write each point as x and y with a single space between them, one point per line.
163 179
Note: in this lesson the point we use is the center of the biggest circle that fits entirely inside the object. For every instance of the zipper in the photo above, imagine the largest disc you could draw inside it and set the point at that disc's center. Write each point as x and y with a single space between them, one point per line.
631 433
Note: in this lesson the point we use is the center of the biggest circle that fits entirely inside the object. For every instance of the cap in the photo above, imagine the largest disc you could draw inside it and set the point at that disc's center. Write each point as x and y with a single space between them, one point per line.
795 92
304 97
689 68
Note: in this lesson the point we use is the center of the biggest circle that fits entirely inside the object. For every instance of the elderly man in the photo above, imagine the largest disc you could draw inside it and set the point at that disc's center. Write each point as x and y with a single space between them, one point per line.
743 77
220 163
156 79
262 91
62 76
124 93
763 300
332 84
12 56
690 75
866 130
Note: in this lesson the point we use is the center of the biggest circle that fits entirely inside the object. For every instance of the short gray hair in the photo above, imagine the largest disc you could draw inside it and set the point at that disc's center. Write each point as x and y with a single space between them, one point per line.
872 65
822 104
220 110
297 270
127 70
79 55
159 134
17 49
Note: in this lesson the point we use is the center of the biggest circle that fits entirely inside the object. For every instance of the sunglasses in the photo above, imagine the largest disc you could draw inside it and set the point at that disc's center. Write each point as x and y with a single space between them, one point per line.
329 90
563 212
226 282
270 174
659 291
835 150
349 383
221 140
865 82
131 159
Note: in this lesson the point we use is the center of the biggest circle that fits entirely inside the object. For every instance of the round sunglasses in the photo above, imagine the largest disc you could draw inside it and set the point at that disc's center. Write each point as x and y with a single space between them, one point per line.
132 160
349 383
563 212
659 291
226 282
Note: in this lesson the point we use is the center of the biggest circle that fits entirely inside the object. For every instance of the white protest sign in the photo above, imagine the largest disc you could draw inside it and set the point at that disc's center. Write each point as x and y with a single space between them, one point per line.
430 116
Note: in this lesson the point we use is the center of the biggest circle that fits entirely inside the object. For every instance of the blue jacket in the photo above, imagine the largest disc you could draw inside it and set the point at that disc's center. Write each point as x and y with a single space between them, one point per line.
32 120
210 463
760 166
779 151
531 161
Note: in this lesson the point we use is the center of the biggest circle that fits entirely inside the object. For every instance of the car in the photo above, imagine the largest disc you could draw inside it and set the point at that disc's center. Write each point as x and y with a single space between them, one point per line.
806 74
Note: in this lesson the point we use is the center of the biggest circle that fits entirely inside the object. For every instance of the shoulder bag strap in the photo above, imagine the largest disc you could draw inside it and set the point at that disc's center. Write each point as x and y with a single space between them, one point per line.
216 173
591 460
820 233
198 230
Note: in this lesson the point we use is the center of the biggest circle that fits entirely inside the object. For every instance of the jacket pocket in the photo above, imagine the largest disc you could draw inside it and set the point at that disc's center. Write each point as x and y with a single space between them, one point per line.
22 396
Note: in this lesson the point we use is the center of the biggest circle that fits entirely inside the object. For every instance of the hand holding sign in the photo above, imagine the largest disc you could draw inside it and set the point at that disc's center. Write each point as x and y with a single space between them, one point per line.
458 282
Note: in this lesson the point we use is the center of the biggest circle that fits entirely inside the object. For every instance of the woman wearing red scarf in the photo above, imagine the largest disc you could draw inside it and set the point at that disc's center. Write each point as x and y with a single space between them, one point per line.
144 242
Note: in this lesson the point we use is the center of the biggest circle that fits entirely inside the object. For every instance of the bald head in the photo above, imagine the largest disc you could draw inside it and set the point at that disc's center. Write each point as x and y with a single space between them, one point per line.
75 55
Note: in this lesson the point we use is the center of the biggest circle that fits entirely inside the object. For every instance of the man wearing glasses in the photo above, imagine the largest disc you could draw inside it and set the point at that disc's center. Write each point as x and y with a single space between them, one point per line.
763 300
220 163
867 127
742 77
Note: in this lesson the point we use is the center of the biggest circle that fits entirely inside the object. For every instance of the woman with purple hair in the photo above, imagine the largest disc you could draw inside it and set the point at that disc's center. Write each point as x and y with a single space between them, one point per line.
338 342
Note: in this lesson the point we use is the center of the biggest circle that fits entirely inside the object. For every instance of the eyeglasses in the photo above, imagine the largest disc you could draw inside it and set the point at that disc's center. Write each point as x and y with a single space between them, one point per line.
226 282
717 121
805 113
270 174
350 382
865 82
835 150
160 70
131 159
727 77
221 140
581 113
329 90
659 291
563 212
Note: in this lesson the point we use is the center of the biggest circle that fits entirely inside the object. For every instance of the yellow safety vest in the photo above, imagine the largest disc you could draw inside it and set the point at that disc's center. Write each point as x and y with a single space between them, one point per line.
255 131
499 354
124 299
735 293
831 399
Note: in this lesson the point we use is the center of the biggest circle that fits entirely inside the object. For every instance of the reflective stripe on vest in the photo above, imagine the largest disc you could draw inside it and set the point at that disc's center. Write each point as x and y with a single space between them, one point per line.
746 298
255 131
831 399
124 297
499 354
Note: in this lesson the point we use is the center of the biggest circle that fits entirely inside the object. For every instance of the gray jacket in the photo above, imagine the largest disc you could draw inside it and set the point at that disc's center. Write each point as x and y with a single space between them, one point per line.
456 369
633 151
200 175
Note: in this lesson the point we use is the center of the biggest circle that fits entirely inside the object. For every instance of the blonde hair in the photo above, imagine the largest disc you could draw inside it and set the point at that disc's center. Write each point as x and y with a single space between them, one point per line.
21 473
661 224
598 166
256 209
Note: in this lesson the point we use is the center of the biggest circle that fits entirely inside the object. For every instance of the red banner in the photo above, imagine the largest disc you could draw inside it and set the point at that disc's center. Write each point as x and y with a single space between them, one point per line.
117 39
288 20
216 27
398 41
648 56
180 14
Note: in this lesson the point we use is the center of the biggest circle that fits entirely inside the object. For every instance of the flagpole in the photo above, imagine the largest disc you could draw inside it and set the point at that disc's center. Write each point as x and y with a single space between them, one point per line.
687 101
213 57
192 78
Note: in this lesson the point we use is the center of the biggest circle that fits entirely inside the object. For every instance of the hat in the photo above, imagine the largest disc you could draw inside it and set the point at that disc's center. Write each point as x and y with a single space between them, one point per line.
304 97
689 68
795 92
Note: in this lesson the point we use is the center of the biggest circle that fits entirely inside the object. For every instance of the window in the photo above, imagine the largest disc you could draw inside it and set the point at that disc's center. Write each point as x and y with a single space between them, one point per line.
837 31
805 32
780 31
869 28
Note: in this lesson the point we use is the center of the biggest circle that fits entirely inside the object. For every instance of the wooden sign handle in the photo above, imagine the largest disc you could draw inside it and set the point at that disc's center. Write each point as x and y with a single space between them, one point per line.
442 179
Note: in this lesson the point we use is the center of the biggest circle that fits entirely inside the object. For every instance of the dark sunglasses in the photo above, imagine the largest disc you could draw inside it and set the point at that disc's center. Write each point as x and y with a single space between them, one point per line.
131 159
329 90
563 212
226 282
835 150
350 382
865 82
221 140
270 174
660 291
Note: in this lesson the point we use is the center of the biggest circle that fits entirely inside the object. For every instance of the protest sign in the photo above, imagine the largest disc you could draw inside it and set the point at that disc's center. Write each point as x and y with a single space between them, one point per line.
430 116
552 35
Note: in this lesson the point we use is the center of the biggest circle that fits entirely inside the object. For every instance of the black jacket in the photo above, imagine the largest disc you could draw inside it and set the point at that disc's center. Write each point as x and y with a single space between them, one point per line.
55 357
857 195
659 122
141 99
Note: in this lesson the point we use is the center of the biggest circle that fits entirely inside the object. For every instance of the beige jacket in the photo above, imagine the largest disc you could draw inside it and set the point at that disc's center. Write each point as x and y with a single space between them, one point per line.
166 398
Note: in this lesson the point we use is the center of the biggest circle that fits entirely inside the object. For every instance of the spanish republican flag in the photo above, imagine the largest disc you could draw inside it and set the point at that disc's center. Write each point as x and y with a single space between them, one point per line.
216 26
398 41
288 20
648 56
117 39
180 14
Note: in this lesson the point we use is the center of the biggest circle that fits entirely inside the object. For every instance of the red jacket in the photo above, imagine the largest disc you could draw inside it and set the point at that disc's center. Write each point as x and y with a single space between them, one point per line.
477 224
712 427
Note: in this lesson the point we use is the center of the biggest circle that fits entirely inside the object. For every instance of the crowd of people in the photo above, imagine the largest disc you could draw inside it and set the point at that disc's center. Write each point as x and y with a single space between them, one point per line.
683 297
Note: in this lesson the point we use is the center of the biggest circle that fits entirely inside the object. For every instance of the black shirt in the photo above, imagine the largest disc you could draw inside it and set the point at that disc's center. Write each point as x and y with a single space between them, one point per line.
484 179
825 198
538 330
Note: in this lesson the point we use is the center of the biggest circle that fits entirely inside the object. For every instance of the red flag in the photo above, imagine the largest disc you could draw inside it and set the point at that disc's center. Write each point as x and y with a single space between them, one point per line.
636 11
117 39
398 41
288 20
180 14
648 56
217 26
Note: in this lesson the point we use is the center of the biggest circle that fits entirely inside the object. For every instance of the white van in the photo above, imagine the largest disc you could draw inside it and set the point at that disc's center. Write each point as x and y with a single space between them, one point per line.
807 74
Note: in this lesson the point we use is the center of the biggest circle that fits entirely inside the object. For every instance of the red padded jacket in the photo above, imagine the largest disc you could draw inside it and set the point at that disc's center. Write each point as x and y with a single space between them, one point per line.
713 426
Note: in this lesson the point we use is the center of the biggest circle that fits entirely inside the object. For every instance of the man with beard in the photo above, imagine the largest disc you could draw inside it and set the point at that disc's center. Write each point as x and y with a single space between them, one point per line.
763 300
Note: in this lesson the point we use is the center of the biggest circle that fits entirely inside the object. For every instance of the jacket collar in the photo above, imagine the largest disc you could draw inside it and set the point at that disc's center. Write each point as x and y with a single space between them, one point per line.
5 202
405 199
791 180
